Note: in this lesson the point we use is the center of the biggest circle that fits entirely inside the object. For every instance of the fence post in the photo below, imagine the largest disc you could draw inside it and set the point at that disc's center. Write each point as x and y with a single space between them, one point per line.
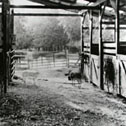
67 58
41 60
54 59
36 63
28 64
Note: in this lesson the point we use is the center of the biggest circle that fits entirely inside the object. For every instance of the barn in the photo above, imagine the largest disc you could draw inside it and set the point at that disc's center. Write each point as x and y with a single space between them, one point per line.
103 40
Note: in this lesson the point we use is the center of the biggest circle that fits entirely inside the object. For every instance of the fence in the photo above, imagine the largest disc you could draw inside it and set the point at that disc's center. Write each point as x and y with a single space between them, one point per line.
49 60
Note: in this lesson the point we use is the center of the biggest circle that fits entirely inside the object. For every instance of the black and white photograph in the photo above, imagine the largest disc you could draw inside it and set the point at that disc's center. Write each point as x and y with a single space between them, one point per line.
62 62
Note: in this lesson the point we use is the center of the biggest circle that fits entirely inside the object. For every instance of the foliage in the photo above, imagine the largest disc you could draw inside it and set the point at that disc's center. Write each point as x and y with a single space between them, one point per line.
74 49
24 37
72 25
48 33
53 36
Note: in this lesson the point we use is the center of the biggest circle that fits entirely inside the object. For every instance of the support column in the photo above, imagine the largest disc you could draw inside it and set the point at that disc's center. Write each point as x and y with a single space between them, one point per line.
101 63
5 31
82 41
117 31
91 39
101 52
91 29
117 39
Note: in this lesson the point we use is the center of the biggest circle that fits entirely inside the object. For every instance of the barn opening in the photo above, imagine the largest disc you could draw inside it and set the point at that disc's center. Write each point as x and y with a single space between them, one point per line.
45 42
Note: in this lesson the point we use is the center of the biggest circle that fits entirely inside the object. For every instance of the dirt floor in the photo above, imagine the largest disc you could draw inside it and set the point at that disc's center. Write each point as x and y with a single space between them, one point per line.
51 100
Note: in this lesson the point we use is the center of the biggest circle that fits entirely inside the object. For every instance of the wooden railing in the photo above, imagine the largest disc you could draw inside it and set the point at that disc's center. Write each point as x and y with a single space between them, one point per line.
48 62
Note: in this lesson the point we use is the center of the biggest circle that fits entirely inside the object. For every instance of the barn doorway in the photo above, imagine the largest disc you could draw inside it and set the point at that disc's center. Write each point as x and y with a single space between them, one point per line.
46 51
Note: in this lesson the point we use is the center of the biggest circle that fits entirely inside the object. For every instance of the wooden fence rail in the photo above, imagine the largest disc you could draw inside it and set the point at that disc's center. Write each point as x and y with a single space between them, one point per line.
47 62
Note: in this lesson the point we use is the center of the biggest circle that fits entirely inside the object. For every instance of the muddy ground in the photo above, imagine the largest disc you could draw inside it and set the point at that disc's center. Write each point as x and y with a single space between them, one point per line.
51 100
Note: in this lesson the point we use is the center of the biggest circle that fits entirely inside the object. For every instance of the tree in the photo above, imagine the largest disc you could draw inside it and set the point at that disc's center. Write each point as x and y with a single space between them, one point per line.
47 32
52 36
72 26
24 37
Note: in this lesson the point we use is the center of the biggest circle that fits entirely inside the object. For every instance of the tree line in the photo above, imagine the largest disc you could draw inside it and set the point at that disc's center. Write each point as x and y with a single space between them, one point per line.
47 33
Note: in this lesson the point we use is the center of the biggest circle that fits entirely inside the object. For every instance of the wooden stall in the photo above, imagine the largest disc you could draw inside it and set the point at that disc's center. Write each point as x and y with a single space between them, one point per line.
107 66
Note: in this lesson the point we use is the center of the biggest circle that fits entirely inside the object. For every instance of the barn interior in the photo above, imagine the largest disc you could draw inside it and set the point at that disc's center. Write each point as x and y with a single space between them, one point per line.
96 44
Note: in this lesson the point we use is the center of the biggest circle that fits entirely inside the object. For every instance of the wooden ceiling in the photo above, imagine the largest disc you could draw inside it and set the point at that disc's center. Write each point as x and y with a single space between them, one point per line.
69 2
80 3
87 4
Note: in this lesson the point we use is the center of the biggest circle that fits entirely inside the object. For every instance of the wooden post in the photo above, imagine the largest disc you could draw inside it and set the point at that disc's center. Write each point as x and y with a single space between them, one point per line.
82 48
6 37
53 55
67 57
54 58
28 63
82 40
91 36
82 33
42 60
117 37
91 29
101 63
101 54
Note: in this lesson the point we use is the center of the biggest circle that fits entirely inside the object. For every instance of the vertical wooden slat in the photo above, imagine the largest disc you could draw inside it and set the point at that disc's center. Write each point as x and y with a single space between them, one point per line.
91 67
120 86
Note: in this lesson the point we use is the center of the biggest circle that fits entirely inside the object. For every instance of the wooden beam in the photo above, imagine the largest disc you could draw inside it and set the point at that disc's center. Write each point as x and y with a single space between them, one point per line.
55 2
55 7
46 14
108 22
